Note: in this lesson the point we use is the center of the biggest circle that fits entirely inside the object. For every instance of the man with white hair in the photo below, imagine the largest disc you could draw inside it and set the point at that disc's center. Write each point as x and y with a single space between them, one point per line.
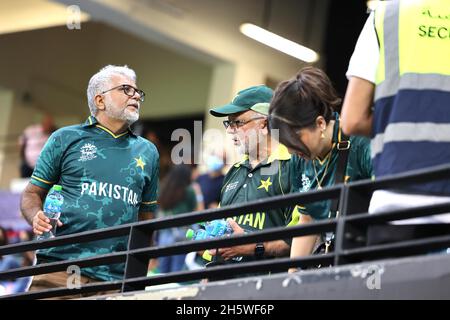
109 177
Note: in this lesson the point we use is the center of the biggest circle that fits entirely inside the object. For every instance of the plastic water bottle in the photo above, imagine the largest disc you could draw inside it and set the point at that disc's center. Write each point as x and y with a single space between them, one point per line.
215 228
200 234
212 229
219 228
52 209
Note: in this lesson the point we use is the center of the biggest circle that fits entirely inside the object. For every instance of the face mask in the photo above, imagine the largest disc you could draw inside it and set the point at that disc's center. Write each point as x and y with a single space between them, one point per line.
214 163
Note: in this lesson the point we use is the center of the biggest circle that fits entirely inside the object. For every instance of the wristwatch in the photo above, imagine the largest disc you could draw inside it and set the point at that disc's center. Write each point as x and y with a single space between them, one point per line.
259 250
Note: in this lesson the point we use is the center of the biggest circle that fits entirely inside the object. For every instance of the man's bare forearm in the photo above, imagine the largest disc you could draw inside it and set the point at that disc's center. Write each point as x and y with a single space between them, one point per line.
277 248
31 201
144 216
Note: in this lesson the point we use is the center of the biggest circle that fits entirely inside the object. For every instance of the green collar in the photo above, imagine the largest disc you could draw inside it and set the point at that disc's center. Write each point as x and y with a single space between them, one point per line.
280 153
91 121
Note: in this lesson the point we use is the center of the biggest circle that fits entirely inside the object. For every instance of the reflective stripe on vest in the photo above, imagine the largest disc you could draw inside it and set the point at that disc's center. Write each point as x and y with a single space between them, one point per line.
425 27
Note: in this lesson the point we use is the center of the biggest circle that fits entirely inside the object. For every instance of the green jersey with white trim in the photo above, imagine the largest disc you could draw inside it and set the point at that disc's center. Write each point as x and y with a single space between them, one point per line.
316 174
106 181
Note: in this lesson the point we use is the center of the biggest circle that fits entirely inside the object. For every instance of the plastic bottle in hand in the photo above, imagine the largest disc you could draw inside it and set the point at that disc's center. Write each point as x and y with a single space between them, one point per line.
212 229
200 234
52 209
219 228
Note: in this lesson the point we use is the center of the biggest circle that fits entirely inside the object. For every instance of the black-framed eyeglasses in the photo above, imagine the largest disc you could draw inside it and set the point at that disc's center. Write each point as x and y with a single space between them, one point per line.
129 91
239 123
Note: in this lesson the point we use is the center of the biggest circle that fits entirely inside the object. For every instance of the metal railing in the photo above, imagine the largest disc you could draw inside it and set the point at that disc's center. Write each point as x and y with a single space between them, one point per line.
350 229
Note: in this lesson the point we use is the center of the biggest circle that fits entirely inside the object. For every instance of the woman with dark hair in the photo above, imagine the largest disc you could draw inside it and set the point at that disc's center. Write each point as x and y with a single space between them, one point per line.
303 109
177 195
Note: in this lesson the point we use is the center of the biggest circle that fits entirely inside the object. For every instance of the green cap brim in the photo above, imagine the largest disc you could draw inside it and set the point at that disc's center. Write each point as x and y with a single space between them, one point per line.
226 110
262 108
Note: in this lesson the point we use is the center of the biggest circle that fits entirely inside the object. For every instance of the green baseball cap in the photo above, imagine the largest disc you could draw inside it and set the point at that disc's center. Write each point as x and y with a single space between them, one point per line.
255 98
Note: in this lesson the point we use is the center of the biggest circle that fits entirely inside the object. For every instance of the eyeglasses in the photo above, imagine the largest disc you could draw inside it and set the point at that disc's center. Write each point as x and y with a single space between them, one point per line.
238 123
129 91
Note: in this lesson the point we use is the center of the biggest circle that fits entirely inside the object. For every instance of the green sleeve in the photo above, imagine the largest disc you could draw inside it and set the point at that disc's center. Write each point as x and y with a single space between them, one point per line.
48 167
292 175
295 175
150 192
365 159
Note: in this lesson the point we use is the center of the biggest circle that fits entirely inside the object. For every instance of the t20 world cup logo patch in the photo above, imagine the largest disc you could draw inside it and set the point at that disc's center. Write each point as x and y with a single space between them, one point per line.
306 183
88 152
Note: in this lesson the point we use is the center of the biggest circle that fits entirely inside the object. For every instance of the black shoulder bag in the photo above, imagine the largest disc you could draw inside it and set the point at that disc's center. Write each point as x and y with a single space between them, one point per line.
327 240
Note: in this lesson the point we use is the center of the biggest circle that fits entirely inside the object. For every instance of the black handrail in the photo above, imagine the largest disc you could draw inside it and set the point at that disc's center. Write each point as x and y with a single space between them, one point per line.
352 221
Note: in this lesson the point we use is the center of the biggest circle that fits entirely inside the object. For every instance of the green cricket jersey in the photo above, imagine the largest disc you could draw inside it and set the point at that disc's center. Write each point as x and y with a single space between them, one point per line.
107 180
312 173
270 178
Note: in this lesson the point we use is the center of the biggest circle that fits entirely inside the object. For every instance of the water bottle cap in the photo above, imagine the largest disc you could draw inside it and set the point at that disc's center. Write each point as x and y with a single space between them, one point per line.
190 234
57 187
